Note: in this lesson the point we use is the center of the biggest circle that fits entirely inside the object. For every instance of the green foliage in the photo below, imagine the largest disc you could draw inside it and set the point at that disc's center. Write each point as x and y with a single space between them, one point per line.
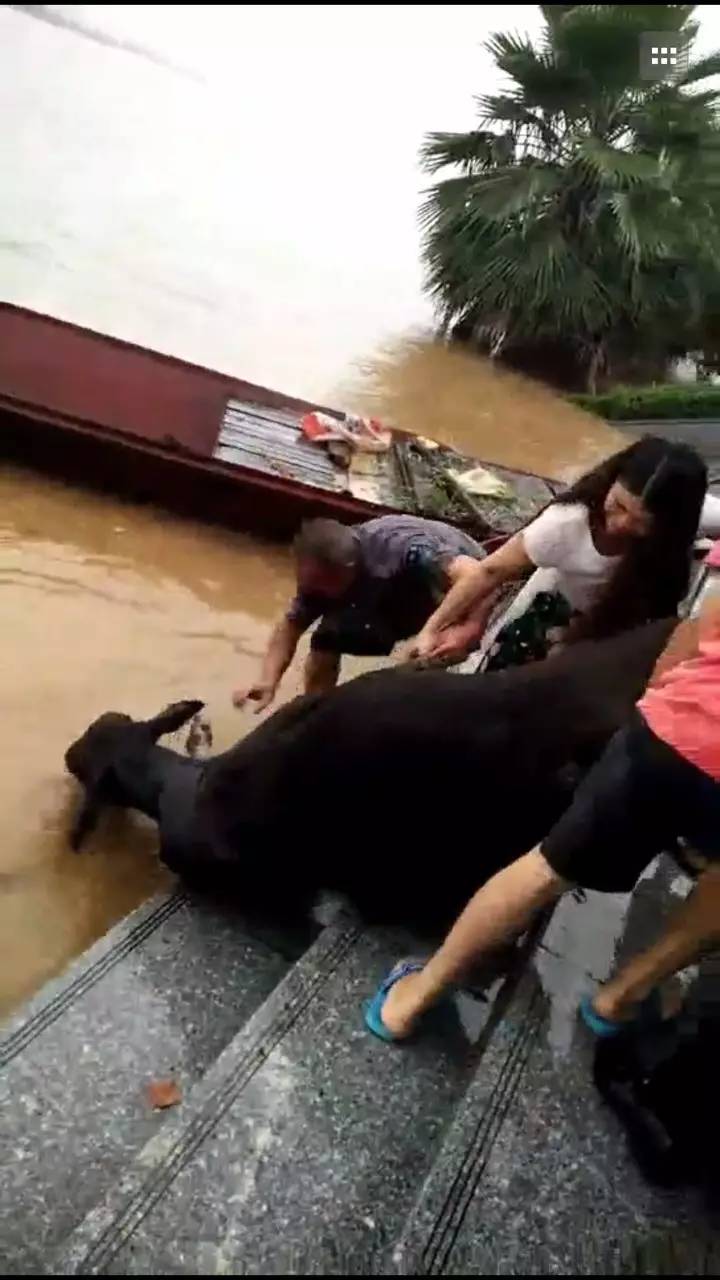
584 208
670 401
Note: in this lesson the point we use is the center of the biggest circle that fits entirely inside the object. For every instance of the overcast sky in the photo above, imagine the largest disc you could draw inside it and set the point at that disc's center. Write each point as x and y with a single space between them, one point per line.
256 207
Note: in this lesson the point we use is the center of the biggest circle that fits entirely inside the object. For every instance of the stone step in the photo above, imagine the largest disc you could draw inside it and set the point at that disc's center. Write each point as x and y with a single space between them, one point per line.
534 1177
158 997
303 1148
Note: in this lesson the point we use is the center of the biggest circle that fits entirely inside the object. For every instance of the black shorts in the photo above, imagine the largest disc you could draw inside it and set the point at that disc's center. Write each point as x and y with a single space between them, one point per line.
354 629
381 615
636 802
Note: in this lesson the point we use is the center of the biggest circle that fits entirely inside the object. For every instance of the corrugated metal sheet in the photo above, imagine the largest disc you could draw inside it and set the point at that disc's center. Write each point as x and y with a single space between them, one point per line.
270 440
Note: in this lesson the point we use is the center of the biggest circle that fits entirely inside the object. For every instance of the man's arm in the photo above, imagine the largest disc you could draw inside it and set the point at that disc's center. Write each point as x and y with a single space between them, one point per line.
278 656
471 595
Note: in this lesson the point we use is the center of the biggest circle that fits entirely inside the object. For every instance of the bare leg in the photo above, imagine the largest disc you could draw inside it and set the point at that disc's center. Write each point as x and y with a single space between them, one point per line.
500 910
322 669
693 929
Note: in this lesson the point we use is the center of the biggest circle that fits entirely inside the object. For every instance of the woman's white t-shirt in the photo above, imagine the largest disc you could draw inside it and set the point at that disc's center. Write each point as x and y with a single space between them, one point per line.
560 544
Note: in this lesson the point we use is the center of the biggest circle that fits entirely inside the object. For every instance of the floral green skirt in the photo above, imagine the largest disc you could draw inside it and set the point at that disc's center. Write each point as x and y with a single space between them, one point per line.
530 637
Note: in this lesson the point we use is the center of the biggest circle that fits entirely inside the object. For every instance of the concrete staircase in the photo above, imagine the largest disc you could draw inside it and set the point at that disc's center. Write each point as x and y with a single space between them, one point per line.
301 1145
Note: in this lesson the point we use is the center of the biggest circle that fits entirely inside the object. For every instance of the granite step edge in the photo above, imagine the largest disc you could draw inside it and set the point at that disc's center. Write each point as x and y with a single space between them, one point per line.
111 1223
559 969
59 994
436 1219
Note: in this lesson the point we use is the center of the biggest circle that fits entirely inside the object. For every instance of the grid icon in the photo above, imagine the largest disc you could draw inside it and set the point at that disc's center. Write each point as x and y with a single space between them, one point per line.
663 56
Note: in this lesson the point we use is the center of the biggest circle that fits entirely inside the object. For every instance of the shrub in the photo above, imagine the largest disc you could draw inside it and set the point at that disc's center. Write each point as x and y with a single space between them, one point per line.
674 400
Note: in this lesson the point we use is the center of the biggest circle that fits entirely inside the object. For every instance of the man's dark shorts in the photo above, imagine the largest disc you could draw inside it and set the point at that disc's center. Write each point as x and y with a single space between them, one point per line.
354 629
381 613
635 803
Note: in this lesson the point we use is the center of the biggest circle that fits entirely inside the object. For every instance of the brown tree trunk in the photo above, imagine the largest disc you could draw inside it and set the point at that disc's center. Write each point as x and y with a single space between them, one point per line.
595 364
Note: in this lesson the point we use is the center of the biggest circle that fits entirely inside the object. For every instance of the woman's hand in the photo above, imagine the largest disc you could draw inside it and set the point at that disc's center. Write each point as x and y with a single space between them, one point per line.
451 644
422 647
474 584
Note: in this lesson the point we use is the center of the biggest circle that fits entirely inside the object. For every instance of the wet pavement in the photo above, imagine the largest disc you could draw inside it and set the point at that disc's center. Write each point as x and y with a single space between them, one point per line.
592 1210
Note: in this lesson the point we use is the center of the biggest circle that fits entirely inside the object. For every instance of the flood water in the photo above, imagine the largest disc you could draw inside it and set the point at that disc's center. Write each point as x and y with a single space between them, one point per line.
105 607
108 606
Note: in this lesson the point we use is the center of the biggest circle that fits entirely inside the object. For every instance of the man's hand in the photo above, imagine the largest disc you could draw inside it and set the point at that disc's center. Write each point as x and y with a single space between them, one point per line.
262 692
279 654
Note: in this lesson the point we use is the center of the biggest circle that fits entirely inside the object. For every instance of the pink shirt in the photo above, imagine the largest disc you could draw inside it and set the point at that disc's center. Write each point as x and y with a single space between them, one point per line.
683 708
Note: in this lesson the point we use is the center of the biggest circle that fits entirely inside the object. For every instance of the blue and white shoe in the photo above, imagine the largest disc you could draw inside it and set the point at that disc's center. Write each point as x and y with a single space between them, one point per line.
373 1008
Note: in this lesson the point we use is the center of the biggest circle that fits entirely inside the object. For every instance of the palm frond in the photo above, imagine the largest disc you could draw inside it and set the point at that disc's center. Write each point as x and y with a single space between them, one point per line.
498 195
602 41
647 229
509 47
613 163
554 13
512 110
471 151
543 83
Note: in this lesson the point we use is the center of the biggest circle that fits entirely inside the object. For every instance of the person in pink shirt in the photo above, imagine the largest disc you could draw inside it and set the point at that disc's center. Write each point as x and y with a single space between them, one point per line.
657 782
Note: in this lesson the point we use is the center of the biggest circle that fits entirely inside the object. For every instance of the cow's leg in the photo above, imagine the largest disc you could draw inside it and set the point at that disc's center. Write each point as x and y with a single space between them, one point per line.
499 911
693 929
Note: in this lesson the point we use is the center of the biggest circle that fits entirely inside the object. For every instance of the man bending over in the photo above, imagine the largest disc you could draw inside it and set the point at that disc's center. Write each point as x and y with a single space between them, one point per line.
369 586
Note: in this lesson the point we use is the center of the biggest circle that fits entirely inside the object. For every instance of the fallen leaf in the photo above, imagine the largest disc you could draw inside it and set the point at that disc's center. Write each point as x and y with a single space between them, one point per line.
162 1094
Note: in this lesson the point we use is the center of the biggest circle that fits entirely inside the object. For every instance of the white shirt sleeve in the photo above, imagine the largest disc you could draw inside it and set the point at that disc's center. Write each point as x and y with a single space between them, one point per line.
555 534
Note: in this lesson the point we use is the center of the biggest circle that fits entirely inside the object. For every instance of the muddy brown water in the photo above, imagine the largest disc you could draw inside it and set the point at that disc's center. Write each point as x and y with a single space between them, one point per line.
105 606
111 606
451 394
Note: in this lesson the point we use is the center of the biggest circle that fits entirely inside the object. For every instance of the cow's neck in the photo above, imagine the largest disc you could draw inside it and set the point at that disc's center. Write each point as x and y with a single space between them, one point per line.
144 779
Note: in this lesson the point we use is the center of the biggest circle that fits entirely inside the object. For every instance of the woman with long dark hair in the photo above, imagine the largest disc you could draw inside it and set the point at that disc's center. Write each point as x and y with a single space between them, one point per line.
613 551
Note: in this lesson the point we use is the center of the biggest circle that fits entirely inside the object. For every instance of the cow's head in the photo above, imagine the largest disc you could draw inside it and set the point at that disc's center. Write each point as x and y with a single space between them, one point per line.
112 741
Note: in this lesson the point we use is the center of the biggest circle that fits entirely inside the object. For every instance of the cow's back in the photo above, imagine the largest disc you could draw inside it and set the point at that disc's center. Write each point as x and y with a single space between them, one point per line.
420 757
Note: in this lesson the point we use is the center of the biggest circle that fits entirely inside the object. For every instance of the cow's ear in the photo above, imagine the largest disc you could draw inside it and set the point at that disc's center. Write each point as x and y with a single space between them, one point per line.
173 717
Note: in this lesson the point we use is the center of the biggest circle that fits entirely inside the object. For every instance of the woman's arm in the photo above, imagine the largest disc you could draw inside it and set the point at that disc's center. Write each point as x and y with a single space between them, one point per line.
689 634
473 584
683 644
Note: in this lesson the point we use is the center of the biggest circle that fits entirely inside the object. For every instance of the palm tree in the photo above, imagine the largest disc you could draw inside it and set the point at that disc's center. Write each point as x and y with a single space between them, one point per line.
583 210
